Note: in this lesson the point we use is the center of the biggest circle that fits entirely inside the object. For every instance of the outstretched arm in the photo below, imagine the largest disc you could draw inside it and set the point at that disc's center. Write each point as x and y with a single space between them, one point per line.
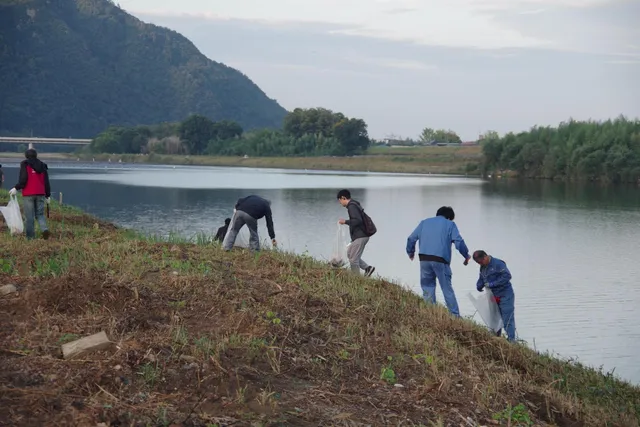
412 240
269 218
458 241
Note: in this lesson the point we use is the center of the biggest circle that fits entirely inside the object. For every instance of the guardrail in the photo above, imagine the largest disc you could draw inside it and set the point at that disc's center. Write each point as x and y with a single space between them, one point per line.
59 141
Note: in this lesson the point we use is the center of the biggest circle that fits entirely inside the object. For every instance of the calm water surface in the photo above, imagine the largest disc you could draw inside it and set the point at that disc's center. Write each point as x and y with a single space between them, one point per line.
571 249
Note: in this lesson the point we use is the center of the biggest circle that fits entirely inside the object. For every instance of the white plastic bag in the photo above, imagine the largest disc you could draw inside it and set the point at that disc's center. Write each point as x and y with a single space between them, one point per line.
339 256
12 216
242 241
487 309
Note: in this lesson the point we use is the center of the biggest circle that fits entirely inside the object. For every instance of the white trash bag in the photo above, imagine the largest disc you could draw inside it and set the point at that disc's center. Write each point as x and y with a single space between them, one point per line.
487 309
12 216
339 256
242 241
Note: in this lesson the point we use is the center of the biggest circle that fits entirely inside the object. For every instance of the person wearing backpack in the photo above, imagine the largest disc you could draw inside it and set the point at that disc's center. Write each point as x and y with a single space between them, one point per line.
361 228
436 236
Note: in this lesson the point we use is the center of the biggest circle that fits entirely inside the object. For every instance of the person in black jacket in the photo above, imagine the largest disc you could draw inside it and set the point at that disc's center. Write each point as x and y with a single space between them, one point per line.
248 211
222 231
359 237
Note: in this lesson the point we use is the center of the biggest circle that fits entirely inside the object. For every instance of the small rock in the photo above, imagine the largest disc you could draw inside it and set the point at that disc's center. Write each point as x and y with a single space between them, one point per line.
398 385
117 367
8 289
187 358
86 345
190 366
458 385
175 273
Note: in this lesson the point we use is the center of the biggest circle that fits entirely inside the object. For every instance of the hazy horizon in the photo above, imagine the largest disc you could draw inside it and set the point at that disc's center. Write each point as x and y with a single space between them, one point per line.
402 65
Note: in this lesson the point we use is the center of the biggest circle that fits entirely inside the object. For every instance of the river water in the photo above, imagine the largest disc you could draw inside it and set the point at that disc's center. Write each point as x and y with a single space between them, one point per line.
570 248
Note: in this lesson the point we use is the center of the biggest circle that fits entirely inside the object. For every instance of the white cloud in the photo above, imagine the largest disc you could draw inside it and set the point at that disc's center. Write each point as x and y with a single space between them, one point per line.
532 12
461 23
316 69
482 24
624 62
402 64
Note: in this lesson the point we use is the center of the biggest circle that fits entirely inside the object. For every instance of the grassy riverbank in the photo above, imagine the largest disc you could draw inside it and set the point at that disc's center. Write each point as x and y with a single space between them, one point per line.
208 338
437 160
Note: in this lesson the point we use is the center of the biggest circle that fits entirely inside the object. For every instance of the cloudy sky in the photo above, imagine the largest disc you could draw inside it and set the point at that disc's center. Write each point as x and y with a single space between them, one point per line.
402 65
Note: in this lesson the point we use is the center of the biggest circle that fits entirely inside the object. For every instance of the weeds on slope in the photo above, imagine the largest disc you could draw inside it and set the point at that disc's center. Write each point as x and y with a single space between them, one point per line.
205 337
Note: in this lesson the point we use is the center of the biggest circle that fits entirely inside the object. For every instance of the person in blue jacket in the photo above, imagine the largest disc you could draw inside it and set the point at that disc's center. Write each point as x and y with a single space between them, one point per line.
436 236
495 275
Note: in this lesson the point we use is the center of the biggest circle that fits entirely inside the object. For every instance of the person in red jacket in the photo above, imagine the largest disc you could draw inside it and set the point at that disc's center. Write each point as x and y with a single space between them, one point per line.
36 191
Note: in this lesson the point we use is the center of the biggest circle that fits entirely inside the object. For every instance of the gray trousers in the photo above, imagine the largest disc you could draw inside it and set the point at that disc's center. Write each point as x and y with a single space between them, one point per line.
238 220
354 253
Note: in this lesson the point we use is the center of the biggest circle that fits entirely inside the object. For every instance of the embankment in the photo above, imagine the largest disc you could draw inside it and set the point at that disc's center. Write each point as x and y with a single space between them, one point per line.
208 338
435 160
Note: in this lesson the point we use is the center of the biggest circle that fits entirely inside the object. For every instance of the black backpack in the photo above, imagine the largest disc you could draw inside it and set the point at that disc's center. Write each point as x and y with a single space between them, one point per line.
369 227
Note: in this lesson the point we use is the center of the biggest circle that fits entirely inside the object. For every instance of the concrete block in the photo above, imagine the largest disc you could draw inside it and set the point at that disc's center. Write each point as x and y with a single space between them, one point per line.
8 289
86 345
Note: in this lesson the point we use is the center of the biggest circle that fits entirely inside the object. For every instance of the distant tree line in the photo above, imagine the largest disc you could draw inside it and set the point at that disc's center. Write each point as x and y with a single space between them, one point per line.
607 151
443 136
306 132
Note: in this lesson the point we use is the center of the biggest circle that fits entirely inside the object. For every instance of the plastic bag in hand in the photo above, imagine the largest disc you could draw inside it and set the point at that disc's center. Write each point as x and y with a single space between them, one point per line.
12 216
488 309
339 256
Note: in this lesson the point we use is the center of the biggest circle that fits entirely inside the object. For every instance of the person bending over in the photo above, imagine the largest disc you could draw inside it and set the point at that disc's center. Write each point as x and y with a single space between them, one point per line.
248 211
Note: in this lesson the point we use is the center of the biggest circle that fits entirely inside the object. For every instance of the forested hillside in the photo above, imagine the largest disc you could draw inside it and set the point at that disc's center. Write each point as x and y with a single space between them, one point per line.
75 67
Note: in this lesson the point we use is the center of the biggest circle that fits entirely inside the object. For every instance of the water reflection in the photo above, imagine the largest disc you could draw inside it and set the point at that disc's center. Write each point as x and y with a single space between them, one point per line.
570 247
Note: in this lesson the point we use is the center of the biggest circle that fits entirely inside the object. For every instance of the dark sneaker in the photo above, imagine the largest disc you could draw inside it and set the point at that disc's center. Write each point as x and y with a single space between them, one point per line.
369 271
46 234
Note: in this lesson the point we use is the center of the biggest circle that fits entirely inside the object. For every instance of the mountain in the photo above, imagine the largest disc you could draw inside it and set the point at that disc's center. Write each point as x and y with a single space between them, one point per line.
74 67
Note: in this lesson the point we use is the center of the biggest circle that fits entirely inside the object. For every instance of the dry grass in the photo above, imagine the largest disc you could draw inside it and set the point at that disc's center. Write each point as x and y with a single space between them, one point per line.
208 338
437 160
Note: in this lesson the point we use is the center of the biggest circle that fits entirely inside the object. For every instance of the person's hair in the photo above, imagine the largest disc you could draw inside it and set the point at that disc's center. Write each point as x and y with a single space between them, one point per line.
31 154
447 212
479 255
344 193
227 221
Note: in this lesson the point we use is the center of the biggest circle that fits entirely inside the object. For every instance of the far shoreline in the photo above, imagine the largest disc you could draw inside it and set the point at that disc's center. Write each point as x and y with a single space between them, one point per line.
431 162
